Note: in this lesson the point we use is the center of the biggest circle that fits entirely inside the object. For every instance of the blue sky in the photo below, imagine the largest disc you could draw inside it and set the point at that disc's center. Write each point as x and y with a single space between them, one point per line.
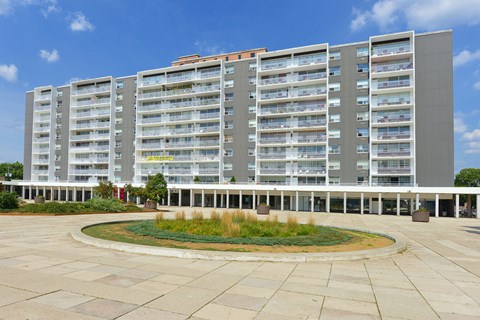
53 41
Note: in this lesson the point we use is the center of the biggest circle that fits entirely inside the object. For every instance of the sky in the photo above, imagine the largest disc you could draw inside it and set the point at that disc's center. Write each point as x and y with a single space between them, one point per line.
52 42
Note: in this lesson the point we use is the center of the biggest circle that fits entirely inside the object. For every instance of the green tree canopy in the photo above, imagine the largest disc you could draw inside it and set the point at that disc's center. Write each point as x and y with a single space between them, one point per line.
13 168
469 177
104 190
156 187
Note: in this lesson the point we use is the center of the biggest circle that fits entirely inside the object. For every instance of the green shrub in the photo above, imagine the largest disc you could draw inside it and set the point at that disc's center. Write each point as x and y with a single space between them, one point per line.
8 200
105 205
53 207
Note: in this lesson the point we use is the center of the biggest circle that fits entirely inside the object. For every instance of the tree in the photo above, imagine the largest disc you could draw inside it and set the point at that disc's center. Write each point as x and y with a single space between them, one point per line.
156 188
15 169
135 192
469 177
104 190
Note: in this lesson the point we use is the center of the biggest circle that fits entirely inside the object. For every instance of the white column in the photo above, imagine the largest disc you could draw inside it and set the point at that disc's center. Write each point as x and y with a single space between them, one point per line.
52 198
66 194
23 192
379 203
240 199
91 193
168 197
30 193
327 202
254 199
203 198
44 192
191 197
179 197
36 191
118 193
362 200
312 202
417 201
228 199
457 206
282 196
215 198
128 195
268 197
60 193
344 202
75 194
296 200
412 205
137 200
83 195
398 204
477 206
437 207
221 200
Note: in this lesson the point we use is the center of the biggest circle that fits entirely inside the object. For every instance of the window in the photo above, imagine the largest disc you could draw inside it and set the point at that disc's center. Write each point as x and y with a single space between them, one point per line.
119 84
362 181
362 165
118 155
228 152
118 120
118 108
252 109
118 132
228 83
252 66
362 148
332 118
118 167
252 137
335 55
59 93
334 87
362 132
362 116
334 180
362 52
252 80
334 165
362 84
229 111
118 144
229 96
363 100
251 166
59 104
251 152
252 123
227 58
227 166
252 54
239 57
334 71
334 102
229 69
362 67
334 149
252 94
228 138
228 124
119 96
335 133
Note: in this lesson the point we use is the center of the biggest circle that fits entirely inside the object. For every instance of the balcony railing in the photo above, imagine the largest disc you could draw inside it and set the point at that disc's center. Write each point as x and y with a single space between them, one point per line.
91 90
299 61
391 49
43 139
89 137
310 170
310 123
41 129
295 93
294 78
390 102
177 78
42 108
88 171
91 113
40 161
90 102
274 125
174 105
392 67
91 125
403 170
391 153
272 155
90 160
309 139
159 94
391 118
311 155
392 136
390 84
41 119
272 171
291 108
89 148
43 97
272 140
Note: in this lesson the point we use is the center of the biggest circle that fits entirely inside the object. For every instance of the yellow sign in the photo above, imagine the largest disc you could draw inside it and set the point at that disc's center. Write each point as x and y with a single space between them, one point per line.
159 158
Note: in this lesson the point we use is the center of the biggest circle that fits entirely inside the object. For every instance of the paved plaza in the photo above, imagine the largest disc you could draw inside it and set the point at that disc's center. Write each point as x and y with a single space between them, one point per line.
45 274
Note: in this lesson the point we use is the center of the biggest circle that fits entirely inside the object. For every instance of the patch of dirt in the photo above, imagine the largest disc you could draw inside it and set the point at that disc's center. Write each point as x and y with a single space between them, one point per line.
359 241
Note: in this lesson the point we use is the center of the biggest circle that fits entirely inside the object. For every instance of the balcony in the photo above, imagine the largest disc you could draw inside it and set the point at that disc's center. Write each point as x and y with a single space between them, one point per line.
207 129
390 101
89 137
88 171
41 129
40 171
41 119
298 92
42 107
43 97
191 76
208 143
95 113
392 136
278 156
292 108
149 146
91 102
90 125
90 160
309 123
90 148
91 90
391 153
169 93
272 171
40 150
40 161
295 62
310 76
391 67
174 105
274 125
278 140
311 155
391 119
310 170
395 170
150 120
43 139
179 171
208 171
309 138
385 50
379 85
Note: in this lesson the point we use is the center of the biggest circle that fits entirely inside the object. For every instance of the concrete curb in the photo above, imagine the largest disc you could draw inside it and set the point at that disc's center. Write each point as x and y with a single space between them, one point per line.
399 246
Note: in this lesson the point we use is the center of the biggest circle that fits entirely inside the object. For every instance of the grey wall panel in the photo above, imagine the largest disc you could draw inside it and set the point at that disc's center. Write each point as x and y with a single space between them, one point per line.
27 142
434 109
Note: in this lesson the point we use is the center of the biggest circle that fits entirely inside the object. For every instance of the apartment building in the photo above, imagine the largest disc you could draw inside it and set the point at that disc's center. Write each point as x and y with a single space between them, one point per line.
371 113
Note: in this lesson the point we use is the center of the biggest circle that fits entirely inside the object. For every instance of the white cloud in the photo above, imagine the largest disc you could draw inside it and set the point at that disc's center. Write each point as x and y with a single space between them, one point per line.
6 7
473 147
80 23
459 125
465 57
50 7
476 85
418 14
50 56
472 135
8 72
205 48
